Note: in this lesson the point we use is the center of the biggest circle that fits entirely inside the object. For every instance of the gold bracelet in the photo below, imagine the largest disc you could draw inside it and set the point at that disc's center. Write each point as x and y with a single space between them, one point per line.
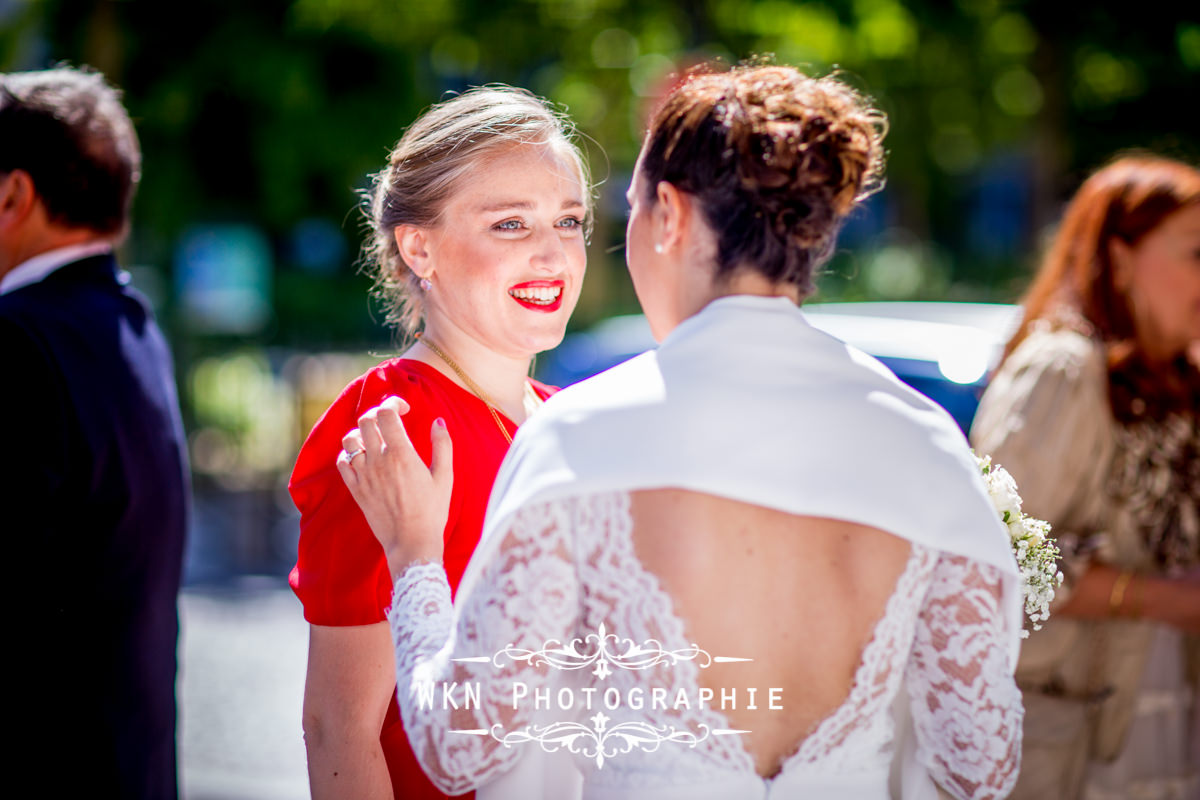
1117 597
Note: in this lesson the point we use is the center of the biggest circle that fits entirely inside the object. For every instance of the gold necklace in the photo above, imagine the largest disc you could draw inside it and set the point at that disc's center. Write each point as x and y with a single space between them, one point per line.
474 387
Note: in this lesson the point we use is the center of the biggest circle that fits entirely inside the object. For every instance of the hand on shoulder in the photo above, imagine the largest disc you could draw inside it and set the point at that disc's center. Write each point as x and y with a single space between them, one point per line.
405 502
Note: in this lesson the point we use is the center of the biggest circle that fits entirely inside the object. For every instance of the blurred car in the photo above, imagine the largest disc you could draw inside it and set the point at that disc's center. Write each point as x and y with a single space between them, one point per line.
943 350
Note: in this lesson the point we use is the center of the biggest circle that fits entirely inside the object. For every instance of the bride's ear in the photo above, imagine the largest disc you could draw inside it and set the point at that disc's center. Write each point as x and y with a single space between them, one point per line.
673 215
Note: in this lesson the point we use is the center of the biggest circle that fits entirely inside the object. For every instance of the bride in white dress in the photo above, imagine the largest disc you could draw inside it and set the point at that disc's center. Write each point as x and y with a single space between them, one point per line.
748 564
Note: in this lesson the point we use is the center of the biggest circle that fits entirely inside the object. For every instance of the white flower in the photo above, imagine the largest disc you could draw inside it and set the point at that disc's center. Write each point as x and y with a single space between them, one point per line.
1035 529
1003 491
1034 549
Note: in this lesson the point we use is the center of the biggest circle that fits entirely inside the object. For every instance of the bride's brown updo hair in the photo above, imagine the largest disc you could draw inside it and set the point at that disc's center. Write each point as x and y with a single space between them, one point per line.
777 160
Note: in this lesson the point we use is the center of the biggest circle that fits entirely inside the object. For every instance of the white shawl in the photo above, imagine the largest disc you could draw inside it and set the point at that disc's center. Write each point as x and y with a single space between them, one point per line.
747 400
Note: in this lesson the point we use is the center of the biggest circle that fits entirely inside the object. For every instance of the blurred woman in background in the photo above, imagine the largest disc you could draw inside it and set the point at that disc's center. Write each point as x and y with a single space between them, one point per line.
1095 411
478 226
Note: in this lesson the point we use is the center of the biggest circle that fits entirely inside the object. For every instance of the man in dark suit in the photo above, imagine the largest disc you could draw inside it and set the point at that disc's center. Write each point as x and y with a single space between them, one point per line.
93 468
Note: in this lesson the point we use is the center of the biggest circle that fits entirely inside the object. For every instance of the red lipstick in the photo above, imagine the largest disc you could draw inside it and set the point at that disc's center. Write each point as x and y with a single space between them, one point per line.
543 300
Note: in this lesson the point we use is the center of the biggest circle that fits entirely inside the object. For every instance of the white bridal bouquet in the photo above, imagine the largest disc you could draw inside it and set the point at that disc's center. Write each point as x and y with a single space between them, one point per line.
1037 555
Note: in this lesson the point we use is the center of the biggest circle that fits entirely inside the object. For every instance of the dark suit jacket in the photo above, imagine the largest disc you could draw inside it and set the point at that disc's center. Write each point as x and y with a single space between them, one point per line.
93 476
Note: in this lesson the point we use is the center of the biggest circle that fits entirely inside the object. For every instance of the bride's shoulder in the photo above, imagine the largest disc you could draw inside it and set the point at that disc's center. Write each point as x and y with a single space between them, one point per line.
633 382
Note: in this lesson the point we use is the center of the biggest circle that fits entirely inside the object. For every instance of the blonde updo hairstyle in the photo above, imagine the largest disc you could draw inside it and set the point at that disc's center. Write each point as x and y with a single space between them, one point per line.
777 159
436 154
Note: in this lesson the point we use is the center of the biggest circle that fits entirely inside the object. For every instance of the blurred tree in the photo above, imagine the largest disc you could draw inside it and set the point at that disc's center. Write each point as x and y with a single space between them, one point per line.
276 112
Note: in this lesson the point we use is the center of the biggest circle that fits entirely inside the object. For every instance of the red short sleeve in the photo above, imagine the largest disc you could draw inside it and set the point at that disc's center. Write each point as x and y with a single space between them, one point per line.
341 575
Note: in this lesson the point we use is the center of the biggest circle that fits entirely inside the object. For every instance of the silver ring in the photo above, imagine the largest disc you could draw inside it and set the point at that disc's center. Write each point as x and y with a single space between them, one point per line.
358 452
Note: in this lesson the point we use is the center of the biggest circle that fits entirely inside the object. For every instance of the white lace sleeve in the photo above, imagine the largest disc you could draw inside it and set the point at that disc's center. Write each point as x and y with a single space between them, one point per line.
966 707
525 596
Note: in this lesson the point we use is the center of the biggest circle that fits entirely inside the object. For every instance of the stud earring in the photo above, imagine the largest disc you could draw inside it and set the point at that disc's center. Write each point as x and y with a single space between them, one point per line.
658 248
426 284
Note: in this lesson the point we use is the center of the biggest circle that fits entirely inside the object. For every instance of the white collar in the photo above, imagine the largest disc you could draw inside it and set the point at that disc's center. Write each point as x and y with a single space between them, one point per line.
37 268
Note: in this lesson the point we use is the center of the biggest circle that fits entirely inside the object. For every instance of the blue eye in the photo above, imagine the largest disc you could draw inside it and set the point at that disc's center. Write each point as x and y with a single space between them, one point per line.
509 225
570 223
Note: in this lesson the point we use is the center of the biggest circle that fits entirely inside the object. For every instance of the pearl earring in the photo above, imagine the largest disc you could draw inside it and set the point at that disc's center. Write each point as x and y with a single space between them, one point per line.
658 248
426 284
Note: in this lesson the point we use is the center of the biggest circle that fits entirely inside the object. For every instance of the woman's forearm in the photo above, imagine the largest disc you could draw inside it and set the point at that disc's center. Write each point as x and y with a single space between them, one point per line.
1105 592
344 762
349 685
1092 594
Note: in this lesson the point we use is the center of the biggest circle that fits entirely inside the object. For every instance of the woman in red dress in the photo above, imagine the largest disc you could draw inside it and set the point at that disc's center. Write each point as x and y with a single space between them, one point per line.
479 224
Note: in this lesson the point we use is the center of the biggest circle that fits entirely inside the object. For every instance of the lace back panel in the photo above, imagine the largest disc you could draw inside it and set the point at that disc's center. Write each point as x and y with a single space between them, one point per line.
565 578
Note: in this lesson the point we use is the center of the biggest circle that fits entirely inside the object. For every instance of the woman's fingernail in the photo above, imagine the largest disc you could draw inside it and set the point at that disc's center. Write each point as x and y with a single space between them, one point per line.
441 423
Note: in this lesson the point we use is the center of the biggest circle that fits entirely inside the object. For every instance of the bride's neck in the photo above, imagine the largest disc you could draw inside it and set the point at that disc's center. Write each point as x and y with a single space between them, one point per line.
746 280
700 289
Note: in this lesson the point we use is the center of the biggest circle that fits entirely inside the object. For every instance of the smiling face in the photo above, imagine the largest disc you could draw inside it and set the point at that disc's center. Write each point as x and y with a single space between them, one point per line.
1160 276
507 256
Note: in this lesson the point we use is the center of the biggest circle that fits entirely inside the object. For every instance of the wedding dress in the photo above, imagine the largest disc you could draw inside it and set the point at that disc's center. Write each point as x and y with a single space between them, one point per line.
562 642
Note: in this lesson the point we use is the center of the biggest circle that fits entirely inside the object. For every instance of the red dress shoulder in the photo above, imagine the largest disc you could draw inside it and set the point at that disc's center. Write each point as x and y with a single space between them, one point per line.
341 575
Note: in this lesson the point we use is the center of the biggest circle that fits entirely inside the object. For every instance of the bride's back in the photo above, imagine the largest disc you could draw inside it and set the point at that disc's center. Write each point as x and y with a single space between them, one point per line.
798 595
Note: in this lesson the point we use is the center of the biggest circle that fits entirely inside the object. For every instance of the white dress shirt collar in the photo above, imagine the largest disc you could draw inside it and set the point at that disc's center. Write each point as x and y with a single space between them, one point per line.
37 268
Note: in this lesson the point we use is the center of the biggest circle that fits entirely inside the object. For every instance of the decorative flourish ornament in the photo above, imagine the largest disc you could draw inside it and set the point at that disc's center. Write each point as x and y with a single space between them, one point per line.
600 742
604 650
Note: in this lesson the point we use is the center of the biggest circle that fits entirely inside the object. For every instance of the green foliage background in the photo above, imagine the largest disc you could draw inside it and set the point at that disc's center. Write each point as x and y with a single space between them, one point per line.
272 112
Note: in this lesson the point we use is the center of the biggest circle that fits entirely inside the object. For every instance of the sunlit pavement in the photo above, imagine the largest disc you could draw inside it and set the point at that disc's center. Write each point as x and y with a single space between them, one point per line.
242 652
